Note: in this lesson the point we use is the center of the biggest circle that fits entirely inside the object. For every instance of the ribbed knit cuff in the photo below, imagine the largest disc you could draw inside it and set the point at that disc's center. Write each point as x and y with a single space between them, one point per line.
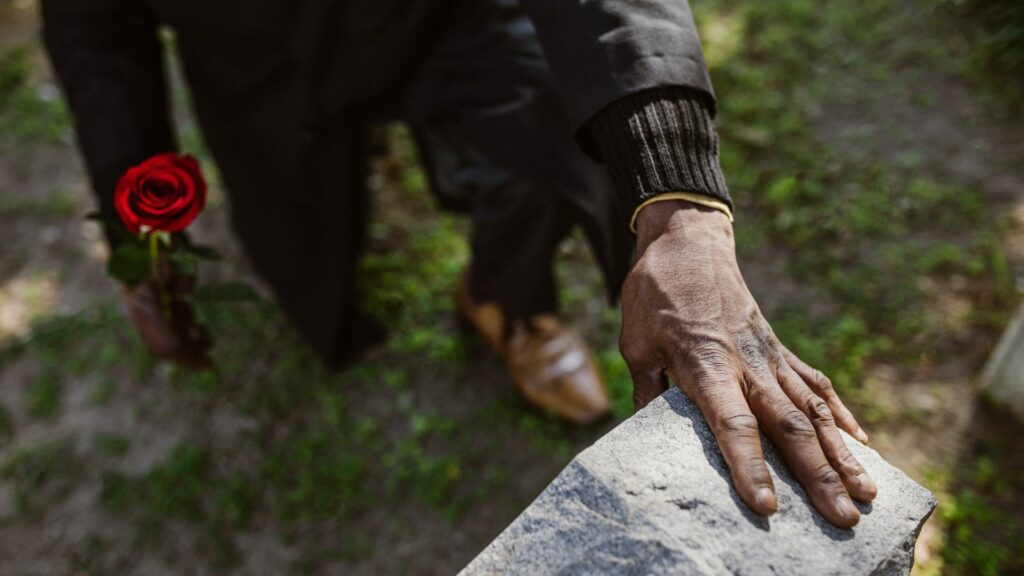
657 141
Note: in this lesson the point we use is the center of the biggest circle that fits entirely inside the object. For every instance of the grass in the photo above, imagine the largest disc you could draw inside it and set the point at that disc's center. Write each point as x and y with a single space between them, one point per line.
39 474
111 444
983 535
6 426
30 112
57 205
871 236
859 232
185 486
965 513
995 30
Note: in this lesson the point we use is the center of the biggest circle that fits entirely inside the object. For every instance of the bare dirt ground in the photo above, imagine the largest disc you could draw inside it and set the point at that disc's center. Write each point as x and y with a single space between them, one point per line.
932 117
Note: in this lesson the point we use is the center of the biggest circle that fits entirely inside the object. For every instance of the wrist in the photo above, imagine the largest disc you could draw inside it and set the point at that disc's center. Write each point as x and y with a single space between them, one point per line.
656 219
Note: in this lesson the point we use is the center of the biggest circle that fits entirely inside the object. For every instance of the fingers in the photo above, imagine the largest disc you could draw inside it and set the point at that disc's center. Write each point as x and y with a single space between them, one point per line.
794 434
822 386
852 474
648 384
735 429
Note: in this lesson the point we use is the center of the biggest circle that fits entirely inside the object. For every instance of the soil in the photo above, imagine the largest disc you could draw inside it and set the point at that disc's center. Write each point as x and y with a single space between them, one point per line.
931 115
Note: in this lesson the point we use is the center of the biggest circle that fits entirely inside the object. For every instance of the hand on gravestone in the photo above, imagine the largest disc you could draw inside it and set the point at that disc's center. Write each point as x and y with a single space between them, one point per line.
687 314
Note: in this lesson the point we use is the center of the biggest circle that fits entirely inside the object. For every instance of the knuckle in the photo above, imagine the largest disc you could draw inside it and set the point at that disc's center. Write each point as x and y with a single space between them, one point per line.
796 423
819 412
820 381
752 350
713 357
739 425
756 395
757 469
780 364
825 475
849 463
756 462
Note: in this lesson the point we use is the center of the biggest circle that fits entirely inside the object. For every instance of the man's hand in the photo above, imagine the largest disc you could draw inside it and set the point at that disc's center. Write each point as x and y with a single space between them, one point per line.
175 337
687 314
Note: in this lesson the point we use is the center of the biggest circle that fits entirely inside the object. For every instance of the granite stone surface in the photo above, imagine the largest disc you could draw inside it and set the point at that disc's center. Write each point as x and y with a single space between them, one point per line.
653 497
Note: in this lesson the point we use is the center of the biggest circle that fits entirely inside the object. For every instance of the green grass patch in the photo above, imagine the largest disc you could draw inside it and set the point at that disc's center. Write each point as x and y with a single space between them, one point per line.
186 486
620 382
6 425
982 538
994 30
59 204
111 444
40 474
42 398
319 473
29 112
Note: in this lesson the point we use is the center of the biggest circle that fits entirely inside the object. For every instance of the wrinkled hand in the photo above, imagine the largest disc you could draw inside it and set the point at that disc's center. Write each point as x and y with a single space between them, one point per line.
177 338
687 314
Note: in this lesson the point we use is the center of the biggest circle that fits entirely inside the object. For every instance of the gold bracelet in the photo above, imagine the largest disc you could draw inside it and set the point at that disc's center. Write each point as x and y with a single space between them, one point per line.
701 199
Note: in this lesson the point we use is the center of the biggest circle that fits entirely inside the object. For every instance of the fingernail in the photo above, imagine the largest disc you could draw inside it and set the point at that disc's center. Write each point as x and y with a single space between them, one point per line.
765 498
861 435
846 507
867 485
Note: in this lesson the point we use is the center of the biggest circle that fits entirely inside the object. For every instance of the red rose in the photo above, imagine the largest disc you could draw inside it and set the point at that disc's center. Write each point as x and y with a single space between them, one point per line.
164 193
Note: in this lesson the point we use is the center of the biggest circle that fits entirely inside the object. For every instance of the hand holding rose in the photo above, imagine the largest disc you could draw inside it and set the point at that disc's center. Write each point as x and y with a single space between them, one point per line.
156 201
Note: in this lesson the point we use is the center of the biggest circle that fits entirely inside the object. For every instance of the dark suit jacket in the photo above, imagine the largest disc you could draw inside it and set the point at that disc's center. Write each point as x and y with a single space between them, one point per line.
280 87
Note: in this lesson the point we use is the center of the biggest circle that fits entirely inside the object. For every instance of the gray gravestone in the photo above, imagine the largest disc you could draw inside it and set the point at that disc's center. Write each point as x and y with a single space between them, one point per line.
654 497
1003 378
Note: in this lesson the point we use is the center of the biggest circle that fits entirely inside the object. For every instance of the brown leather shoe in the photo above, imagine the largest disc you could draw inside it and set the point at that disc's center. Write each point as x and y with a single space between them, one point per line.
551 365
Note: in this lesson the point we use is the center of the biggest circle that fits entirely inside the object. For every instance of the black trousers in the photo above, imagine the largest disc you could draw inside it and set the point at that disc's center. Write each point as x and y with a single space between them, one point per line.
496 140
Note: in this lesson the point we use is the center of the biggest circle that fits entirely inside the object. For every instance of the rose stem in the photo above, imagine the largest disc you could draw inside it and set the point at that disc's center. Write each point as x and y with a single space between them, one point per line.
154 259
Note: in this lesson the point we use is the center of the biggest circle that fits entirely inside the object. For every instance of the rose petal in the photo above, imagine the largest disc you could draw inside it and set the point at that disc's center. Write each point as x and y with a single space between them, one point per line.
165 192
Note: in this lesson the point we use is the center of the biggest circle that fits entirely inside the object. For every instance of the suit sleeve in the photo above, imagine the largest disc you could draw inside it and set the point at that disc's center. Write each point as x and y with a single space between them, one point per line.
632 76
108 60
601 51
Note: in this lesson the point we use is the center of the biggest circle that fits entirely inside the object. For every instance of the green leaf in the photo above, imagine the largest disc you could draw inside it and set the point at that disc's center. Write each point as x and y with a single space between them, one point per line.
183 262
129 263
